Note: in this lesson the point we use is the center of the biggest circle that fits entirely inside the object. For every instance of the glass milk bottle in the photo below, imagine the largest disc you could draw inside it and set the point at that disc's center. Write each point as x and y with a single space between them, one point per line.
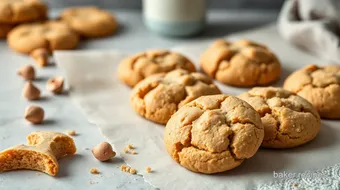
175 17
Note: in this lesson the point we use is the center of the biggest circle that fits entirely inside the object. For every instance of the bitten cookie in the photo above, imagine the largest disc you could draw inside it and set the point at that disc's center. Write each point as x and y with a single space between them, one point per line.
213 134
18 11
320 86
41 153
51 35
288 119
137 67
4 30
241 63
90 21
159 96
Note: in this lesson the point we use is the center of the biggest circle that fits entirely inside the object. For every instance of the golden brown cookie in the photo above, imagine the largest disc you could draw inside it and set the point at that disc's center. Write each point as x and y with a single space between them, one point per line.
288 119
213 134
90 21
320 86
41 153
18 11
51 35
4 30
137 67
241 63
159 96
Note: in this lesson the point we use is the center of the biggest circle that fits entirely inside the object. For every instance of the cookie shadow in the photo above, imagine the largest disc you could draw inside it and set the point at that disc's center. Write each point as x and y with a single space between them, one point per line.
66 163
259 164
325 138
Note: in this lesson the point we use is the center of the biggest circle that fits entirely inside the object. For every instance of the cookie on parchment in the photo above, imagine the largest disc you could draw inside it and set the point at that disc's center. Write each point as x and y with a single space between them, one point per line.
320 86
241 63
137 67
51 35
213 134
18 11
288 119
90 21
4 30
159 96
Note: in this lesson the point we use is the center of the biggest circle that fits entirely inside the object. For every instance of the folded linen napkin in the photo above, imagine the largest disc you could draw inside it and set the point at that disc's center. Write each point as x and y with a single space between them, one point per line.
313 25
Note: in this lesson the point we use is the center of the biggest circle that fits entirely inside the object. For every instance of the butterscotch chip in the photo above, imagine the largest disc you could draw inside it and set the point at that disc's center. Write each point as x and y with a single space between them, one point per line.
213 134
41 153
241 63
4 30
27 72
288 119
19 11
320 86
55 85
40 56
159 96
51 35
90 21
34 114
137 67
94 171
30 91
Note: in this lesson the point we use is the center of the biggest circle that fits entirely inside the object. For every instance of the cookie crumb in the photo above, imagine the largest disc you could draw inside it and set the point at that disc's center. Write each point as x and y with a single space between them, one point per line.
133 171
126 150
130 146
128 169
294 185
71 132
133 152
148 169
94 171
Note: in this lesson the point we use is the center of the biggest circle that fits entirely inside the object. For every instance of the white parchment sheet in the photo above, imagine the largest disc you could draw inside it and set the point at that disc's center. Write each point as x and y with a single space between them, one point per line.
95 87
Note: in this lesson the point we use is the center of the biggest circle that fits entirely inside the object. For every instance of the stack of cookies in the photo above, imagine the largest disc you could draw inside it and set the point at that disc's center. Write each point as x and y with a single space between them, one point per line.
209 132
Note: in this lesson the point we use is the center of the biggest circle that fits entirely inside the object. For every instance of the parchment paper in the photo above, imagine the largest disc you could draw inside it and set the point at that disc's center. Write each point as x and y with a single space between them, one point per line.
104 99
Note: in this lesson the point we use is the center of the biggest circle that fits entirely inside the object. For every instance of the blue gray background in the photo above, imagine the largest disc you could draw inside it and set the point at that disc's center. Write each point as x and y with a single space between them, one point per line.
136 4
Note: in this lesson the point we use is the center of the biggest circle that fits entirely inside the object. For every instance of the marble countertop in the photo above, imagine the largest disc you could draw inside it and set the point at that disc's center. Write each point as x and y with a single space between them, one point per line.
63 115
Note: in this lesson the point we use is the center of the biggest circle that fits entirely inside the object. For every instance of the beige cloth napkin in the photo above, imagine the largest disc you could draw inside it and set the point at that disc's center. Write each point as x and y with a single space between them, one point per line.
313 25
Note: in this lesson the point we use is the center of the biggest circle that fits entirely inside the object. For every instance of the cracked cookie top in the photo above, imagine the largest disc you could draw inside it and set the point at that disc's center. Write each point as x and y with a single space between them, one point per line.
18 11
213 134
241 63
51 35
137 67
288 119
159 96
320 86
89 21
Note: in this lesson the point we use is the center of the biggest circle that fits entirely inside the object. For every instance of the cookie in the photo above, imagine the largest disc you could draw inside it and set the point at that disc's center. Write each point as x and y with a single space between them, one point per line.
242 63
4 30
90 21
320 86
288 119
137 67
50 35
159 96
41 153
213 134
18 11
